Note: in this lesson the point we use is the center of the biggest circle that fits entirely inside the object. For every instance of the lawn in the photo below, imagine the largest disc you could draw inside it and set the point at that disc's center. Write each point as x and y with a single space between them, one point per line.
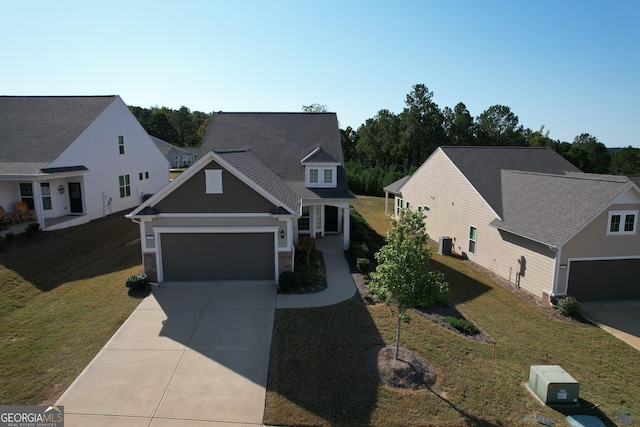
317 375
63 297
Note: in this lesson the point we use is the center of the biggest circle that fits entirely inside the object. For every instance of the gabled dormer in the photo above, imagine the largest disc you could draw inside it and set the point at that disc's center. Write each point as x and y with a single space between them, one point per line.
320 169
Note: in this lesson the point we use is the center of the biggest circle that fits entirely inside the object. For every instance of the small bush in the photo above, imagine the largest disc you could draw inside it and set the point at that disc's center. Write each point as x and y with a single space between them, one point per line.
356 250
31 229
288 281
9 237
463 325
568 306
137 282
363 265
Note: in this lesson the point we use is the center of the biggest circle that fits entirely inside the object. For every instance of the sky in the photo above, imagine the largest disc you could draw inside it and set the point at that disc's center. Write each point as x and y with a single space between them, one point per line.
570 66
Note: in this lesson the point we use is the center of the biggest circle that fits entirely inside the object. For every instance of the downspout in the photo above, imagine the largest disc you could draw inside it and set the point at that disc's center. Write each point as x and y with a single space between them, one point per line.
556 275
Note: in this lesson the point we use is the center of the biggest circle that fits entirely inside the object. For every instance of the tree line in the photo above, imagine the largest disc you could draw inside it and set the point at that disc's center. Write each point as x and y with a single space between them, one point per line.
183 127
389 146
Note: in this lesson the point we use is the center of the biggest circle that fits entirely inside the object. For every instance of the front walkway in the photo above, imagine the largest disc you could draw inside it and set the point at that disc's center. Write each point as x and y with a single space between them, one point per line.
194 354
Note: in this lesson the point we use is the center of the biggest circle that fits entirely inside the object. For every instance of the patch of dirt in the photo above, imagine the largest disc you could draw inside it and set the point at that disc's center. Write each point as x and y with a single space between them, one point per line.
410 371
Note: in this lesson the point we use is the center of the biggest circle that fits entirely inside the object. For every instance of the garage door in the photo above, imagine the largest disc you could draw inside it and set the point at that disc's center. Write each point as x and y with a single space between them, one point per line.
605 280
218 256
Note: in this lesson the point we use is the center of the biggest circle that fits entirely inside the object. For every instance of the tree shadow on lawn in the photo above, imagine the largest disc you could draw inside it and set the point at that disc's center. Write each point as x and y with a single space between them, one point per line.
462 288
97 248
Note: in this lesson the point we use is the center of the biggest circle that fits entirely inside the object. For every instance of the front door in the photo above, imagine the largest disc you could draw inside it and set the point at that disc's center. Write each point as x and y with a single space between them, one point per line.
331 219
75 198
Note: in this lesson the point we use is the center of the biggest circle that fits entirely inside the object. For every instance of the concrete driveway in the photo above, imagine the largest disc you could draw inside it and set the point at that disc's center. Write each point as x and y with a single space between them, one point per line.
619 318
191 354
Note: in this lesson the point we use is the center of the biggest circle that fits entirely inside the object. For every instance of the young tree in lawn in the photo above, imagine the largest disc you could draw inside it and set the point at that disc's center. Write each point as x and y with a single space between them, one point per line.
402 278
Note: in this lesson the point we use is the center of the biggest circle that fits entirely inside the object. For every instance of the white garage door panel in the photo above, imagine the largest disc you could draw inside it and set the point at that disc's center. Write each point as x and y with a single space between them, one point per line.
218 256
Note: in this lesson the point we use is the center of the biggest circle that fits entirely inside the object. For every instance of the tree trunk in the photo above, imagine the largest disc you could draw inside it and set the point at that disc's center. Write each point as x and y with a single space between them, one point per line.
395 353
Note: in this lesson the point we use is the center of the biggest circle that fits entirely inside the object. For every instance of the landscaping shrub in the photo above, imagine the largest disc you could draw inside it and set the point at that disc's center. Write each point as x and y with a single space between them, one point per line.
31 229
363 265
568 306
463 325
288 281
9 237
356 250
137 282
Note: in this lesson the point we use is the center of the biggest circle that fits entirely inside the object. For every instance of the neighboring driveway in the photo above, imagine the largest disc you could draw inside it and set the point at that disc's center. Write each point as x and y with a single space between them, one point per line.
191 354
619 318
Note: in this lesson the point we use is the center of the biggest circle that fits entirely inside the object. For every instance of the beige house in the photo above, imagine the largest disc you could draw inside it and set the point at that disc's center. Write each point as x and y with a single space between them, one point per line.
531 217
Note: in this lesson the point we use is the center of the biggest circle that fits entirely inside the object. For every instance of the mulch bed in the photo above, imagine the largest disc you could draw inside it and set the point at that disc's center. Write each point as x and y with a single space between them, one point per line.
410 371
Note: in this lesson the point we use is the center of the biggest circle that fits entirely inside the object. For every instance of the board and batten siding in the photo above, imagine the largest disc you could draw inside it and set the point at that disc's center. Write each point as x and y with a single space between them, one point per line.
97 149
455 205
236 196
592 242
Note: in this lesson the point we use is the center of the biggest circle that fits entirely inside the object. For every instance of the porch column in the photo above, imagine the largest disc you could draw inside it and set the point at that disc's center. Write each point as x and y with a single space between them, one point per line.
346 223
37 203
386 199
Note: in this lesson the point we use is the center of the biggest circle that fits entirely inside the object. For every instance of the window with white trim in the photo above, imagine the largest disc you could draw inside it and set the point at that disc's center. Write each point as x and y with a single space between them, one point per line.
26 194
45 191
313 176
125 186
399 205
121 144
213 181
622 222
473 236
328 176
303 222
186 160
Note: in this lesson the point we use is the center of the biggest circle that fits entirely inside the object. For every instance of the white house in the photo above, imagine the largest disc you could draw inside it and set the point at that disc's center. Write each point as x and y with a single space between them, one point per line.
75 158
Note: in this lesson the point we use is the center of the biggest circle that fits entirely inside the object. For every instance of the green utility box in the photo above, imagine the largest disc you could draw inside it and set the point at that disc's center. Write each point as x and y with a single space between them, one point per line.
552 385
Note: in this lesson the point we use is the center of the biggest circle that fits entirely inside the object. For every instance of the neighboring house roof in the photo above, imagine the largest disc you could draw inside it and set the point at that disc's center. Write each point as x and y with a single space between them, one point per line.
281 142
394 187
165 147
482 166
551 209
35 130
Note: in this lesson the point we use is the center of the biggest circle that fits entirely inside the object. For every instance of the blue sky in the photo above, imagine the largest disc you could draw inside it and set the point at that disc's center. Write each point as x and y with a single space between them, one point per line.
572 66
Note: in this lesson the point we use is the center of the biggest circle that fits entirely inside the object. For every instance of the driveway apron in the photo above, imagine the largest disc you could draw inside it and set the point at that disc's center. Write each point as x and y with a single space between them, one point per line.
190 354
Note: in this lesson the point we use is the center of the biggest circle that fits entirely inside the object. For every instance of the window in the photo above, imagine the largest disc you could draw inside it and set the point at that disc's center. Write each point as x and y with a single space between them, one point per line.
146 175
328 176
213 179
45 190
121 144
408 205
622 222
303 222
125 186
26 194
140 176
472 239
186 160
313 176
399 205
318 218
176 160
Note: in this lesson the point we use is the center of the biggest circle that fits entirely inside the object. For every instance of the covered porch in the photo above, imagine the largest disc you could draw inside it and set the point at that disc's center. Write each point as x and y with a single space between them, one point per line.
332 218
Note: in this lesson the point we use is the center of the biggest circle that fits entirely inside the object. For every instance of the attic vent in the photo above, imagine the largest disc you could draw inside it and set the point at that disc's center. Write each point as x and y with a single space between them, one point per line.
213 179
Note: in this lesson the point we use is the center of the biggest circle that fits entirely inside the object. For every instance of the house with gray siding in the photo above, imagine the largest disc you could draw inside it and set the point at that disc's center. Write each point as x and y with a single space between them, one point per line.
261 181
177 157
531 217
72 159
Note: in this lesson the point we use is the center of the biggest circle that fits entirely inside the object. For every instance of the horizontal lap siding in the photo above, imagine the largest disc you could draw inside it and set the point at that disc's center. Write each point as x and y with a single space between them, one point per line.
455 205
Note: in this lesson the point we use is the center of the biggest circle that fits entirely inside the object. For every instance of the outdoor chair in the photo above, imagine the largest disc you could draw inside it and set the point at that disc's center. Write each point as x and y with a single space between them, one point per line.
23 211
12 217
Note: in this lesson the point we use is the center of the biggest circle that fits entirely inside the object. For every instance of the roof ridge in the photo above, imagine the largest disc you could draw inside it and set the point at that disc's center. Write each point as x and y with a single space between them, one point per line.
579 175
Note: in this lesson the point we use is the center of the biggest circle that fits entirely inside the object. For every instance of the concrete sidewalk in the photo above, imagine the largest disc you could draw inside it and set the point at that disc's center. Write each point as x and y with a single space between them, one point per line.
194 354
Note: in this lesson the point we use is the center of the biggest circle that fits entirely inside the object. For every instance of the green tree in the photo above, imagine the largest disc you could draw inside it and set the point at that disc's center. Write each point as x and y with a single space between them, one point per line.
459 125
314 108
589 154
377 143
402 278
422 125
498 125
625 161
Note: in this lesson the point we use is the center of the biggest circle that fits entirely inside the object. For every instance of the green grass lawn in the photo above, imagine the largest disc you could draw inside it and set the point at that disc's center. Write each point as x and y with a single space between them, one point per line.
63 297
317 375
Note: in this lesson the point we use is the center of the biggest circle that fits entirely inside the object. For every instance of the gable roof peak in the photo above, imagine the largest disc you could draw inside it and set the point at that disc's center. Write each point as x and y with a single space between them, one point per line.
318 155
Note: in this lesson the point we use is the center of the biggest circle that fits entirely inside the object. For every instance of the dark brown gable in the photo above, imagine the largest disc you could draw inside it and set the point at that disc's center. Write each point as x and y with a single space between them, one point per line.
236 196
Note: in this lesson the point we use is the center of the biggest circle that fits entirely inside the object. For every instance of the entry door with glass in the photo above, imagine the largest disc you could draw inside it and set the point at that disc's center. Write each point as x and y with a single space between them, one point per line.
75 198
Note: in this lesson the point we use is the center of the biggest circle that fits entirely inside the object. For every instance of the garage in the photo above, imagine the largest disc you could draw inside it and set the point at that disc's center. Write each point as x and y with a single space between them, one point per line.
604 280
218 256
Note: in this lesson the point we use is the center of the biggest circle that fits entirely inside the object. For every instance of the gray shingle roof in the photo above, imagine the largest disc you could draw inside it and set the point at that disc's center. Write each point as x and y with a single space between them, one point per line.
249 165
552 208
394 187
318 156
35 130
482 166
280 141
